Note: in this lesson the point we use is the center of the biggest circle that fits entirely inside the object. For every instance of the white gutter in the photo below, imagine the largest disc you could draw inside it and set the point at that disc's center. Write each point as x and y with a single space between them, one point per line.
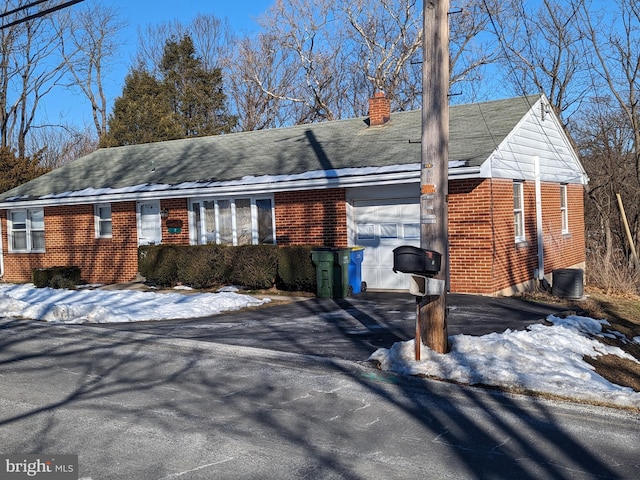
344 178
254 185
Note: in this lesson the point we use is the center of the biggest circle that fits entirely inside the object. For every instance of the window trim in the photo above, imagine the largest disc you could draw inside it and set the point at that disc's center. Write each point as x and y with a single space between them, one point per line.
197 220
28 230
518 212
564 209
98 221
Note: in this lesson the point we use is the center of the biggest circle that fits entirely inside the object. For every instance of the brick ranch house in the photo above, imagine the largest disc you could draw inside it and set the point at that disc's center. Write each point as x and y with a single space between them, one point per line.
515 200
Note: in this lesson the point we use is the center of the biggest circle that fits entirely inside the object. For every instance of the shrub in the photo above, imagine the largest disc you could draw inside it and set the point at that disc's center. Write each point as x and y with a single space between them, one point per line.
254 266
206 266
158 264
203 266
56 277
296 271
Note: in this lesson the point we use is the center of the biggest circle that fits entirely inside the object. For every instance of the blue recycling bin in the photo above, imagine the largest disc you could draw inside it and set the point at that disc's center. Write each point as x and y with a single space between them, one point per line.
356 285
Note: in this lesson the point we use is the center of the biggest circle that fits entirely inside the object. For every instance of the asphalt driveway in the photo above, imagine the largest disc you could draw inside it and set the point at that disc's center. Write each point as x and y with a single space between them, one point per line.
348 328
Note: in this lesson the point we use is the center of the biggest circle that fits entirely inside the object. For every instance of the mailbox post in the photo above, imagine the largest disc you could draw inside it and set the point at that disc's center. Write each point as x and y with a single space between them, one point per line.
422 265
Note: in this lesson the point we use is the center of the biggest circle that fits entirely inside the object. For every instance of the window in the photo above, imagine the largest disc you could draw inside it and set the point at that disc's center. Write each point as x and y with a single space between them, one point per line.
236 221
26 230
366 231
518 211
388 230
564 214
411 230
102 215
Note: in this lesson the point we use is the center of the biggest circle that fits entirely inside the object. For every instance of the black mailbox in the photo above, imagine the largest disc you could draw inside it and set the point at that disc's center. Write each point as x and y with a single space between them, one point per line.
419 261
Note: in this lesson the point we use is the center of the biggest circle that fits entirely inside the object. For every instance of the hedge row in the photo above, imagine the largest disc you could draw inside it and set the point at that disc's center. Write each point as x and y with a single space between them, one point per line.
207 266
56 277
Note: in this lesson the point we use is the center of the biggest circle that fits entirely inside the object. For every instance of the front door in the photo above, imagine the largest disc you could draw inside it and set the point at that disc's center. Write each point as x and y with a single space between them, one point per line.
149 223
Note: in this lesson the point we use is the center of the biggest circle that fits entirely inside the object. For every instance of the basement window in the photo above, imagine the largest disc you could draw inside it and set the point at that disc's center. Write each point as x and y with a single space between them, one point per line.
232 221
26 230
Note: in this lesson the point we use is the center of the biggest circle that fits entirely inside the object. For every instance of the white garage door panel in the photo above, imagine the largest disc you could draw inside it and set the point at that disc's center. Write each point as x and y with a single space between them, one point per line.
381 226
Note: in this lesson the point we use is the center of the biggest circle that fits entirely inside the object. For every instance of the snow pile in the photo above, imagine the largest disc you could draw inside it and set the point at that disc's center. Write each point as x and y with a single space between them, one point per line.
543 359
102 306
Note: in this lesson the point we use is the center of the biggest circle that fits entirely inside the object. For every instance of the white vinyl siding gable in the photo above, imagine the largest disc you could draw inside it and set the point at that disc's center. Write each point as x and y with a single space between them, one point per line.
537 134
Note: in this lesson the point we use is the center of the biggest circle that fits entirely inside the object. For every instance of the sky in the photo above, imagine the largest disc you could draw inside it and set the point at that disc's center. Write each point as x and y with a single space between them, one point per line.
139 14
543 358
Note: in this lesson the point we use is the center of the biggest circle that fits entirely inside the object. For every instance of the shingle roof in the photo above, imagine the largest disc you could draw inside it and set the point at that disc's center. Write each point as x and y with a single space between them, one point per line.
475 132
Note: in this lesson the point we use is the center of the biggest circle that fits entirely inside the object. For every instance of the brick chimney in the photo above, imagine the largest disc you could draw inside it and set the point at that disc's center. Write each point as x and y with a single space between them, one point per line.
379 109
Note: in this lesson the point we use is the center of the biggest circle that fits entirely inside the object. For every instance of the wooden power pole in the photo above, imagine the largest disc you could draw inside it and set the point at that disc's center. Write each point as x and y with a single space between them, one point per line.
432 308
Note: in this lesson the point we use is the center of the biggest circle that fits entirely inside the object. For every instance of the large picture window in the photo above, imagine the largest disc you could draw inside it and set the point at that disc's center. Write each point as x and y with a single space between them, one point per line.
26 230
233 221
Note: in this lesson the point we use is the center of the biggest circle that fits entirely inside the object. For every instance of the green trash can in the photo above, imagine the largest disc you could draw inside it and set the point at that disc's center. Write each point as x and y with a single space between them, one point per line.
332 271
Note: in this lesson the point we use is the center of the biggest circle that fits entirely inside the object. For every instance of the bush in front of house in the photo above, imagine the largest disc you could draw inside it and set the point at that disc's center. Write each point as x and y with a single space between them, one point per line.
56 277
203 266
257 267
158 264
296 272
254 266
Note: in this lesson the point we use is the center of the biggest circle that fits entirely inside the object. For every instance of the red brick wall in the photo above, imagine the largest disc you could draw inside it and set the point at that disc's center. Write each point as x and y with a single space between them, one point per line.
312 217
563 250
178 212
484 257
70 239
470 232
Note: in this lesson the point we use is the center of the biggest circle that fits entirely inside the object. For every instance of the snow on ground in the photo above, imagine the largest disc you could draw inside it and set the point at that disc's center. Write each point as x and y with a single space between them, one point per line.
102 306
542 358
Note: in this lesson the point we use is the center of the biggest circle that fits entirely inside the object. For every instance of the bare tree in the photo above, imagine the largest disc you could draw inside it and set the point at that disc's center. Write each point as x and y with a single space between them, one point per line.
334 55
312 45
30 69
617 61
545 52
258 69
89 48
614 37
61 144
387 36
212 38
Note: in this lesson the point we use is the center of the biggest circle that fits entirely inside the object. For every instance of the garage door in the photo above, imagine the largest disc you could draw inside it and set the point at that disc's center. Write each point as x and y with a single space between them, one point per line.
381 226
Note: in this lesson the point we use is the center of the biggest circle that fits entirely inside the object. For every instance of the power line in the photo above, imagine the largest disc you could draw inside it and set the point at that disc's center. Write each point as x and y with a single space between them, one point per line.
35 15
24 7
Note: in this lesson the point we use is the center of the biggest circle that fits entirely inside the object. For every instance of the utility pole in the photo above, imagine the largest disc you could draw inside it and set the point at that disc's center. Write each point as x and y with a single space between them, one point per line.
431 310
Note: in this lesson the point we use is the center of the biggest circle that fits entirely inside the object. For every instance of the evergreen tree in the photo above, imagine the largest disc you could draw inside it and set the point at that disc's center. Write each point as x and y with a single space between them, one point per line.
16 170
187 101
196 94
142 114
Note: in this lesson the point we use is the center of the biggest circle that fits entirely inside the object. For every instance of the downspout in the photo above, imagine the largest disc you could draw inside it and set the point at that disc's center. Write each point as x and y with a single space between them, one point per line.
540 236
1 252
